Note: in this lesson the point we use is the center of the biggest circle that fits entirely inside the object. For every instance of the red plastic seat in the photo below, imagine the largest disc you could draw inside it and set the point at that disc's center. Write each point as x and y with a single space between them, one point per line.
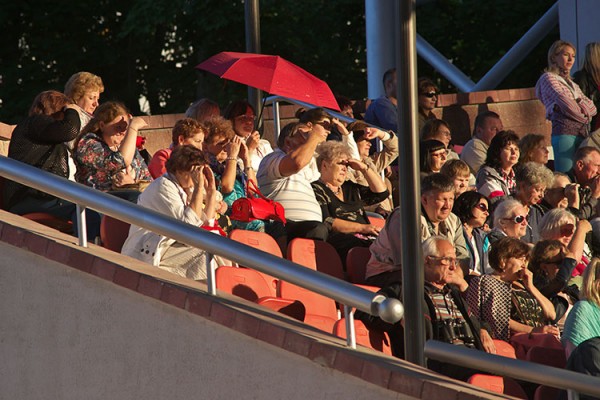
317 255
321 311
378 222
356 264
260 241
244 282
492 383
377 340
504 349
113 233
547 356
292 308
547 393
50 221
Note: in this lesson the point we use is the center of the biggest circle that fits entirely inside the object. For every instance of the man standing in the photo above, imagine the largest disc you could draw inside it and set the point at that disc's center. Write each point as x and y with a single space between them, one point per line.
487 125
382 111
285 176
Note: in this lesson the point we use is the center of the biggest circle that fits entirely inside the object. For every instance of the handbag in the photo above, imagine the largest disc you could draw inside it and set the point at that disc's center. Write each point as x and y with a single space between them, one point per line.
249 208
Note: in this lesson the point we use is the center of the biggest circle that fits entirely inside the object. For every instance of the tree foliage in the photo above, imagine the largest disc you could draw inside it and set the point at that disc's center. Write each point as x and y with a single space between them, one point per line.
149 47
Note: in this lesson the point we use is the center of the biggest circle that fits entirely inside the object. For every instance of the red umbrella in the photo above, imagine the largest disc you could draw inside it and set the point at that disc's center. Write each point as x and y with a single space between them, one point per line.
271 74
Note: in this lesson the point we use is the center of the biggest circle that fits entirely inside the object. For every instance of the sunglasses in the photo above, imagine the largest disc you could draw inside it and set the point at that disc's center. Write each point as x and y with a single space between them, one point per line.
519 219
482 207
567 230
325 124
430 94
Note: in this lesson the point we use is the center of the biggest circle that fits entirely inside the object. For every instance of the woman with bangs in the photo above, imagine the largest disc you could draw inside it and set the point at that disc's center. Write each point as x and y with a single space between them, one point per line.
106 155
559 224
496 178
472 210
433 156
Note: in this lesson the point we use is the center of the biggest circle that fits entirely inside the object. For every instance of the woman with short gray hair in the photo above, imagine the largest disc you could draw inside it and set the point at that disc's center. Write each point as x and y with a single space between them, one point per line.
532 180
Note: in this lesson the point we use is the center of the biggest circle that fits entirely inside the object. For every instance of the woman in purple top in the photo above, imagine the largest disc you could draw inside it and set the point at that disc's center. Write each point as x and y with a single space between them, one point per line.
569 110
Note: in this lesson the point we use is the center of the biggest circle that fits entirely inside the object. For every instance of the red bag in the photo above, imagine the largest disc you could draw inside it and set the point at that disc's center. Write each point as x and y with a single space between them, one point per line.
249 208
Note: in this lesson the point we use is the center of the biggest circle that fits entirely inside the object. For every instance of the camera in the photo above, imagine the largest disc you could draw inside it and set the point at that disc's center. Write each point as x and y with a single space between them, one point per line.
585 192
451 330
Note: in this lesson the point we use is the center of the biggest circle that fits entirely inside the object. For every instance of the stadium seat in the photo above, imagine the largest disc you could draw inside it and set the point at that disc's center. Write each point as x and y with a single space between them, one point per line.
356 264
504 349
547 393
317 255
492 383
260 241
113 233
377 340
50 221
321 311
244 282
292 308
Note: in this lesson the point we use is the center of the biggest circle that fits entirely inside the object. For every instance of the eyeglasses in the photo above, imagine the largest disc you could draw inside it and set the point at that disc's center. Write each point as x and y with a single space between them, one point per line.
482 207
444 260
430 94
519 219
246 118
325 124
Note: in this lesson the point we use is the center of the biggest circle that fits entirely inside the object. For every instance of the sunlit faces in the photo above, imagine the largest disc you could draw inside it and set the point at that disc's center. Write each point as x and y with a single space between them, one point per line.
89 101
480 213
555 196
488 129
114 131
440 269
461 184
217 147
363 148
195 140
437 205
551 263
244 124
531 194
444 135
324 124
540 153
565 233
514 268
437 159
565 58
428 99
588 168
509 155
515 225
335 172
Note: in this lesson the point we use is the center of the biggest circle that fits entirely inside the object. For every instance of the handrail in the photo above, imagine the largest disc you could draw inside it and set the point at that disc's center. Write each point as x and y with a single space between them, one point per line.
519 369
388 309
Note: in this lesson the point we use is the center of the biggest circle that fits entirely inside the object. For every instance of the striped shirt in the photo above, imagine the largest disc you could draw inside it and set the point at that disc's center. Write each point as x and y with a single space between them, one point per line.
294 192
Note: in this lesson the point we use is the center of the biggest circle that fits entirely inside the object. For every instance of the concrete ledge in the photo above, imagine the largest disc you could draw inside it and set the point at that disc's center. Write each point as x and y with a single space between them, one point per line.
248 319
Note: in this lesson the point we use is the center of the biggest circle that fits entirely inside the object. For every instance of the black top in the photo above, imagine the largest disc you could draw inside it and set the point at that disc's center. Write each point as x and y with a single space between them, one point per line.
41 141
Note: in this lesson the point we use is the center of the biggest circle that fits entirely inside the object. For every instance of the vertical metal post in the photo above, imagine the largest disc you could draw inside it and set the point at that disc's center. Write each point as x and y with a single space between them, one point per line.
276 121
211 281
412 273
252 16
81 226
350 331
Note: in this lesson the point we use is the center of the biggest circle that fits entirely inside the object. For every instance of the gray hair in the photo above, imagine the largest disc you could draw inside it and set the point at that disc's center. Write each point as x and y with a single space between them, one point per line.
330 151
533 173
430 245
504 209
550 224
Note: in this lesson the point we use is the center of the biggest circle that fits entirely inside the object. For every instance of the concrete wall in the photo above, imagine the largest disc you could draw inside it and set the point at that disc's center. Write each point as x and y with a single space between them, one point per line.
65 334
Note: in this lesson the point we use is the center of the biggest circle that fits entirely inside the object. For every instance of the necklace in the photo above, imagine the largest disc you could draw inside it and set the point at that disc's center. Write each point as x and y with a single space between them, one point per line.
331 187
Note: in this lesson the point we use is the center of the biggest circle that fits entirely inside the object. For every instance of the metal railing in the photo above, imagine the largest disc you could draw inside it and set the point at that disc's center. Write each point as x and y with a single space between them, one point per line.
573 382
388 309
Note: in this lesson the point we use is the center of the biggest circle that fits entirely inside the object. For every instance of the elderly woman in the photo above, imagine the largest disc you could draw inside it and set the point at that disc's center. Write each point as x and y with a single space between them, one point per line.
559 224
243 118
496 179
186 131
532 181
342 201
472 210
569 110
433 156
507 299
186 192
533 148
105 152
84 89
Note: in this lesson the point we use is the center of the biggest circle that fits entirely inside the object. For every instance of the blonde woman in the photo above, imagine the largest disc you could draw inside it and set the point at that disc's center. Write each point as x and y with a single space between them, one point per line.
567 107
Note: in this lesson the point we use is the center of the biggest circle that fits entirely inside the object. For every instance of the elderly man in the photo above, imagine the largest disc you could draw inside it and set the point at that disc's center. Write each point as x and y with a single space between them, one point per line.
285 176
586 173
487 124
445 312
437 199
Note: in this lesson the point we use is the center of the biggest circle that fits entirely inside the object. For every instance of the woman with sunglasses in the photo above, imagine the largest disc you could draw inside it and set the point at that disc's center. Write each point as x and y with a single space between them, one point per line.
559 224
428 96
243 118
472 210
532 181
496 178
319 120
506 298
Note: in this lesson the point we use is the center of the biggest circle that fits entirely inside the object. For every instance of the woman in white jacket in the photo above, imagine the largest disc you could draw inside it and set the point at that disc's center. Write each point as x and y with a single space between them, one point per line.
181 193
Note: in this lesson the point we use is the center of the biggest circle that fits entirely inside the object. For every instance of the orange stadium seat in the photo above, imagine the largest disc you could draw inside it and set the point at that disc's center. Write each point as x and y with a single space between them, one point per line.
377 340
113 233
317 255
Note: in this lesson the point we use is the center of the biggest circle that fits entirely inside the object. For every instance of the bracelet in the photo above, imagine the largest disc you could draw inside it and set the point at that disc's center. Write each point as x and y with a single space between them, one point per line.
231 159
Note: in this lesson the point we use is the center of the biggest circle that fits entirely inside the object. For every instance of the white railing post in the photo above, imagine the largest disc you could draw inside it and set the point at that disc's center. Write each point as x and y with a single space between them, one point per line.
350 331
81 226
211 281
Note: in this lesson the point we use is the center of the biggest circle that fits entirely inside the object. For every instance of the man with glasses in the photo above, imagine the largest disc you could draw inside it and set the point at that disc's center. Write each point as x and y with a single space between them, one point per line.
285 176
487 125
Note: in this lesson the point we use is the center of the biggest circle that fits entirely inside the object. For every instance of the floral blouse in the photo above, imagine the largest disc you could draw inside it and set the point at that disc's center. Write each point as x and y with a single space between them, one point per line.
97 163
